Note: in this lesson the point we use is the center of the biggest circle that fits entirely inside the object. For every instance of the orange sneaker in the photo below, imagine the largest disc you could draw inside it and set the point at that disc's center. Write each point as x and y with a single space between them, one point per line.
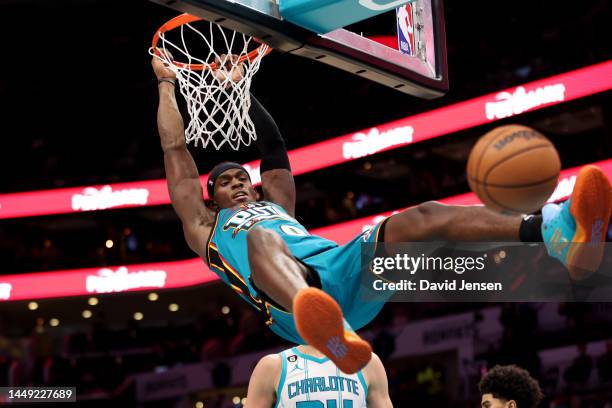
319 321
575 231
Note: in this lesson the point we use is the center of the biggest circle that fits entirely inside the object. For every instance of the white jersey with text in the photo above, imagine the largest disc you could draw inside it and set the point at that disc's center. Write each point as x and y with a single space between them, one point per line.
311 382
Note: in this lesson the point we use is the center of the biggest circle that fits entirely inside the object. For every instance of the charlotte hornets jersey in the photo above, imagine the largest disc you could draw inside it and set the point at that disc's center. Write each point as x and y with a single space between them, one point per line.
310 382
227 251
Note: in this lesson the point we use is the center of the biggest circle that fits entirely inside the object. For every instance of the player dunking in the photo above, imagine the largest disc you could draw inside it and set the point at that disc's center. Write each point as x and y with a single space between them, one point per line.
304 284
302 376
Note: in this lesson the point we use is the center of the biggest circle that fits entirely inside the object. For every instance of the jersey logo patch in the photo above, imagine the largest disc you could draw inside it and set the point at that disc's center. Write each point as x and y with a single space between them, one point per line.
366 235
292 359
336 347
250 214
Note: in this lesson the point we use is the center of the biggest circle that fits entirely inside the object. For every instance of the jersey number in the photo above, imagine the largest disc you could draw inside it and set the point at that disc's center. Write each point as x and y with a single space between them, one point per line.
293 230
319 404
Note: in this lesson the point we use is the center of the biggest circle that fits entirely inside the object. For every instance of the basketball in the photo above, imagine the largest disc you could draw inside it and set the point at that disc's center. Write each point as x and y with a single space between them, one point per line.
513 169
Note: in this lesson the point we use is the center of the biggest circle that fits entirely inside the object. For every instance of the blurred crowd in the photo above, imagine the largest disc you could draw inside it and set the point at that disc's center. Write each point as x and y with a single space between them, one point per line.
100 360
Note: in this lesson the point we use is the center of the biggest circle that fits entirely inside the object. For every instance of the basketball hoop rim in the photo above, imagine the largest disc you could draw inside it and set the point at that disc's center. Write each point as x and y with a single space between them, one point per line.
186 18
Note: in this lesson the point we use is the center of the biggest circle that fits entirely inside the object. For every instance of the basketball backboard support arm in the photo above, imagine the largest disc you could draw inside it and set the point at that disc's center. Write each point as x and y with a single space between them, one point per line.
424 75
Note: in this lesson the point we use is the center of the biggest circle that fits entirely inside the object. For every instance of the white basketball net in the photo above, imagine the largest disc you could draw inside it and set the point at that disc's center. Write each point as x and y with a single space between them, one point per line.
218 104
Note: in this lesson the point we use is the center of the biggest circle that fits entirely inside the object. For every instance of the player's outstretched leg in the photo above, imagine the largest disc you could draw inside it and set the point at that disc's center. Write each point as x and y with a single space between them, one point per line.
573 232
433 221
576 229
318 318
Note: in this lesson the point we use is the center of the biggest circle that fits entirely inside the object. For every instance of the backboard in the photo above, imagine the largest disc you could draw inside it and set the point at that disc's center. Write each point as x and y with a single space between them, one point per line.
422 74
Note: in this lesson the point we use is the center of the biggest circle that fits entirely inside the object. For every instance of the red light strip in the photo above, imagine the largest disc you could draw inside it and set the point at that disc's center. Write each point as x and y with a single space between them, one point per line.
112 279
166 275
485 109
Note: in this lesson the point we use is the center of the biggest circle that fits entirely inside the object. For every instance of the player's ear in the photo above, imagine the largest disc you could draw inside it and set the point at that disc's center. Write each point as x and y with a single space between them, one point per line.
256 192
511 404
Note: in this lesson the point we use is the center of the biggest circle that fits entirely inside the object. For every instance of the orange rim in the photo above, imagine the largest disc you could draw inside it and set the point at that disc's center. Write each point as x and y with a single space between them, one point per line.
186 19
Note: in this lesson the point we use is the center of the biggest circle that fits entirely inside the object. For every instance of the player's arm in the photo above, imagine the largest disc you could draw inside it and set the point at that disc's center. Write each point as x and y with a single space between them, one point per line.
276 178
181 171
262 385
378 386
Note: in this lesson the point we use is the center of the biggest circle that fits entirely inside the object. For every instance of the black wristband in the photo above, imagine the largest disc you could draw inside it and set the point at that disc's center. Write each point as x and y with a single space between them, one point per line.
530 229
168 80
275 159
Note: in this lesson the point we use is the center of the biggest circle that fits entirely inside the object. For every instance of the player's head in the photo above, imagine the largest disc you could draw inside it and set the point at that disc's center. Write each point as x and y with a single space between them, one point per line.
509 387
229 184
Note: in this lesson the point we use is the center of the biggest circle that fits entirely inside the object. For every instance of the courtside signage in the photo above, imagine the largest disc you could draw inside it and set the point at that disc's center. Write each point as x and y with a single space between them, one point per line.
514 103
107 280
374 141
392 135
92 199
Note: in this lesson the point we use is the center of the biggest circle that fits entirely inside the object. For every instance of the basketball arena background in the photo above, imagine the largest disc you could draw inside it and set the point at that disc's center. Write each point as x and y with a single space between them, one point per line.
82 199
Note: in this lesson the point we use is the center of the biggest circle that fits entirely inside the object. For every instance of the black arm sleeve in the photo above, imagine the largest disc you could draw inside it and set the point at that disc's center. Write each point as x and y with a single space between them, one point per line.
269 139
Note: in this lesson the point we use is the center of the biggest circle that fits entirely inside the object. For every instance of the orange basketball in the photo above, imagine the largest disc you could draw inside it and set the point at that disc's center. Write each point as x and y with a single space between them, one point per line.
513 169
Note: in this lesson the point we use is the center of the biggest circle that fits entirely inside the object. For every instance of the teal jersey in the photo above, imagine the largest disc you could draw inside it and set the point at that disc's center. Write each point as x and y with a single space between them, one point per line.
338 267
227 246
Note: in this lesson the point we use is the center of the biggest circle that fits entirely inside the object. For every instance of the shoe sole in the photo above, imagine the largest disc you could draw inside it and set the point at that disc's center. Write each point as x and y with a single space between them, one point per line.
318 319
591 207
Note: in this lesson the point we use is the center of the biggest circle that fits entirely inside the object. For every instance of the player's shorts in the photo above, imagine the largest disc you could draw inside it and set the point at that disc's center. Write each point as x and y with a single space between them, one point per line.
337 272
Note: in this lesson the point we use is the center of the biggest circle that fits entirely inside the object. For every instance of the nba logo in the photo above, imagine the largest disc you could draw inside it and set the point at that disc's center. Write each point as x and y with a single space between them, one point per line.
405 29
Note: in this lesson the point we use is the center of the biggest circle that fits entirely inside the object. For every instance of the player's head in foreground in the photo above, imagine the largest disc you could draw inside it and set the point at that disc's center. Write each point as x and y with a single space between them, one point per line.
509 387
229 184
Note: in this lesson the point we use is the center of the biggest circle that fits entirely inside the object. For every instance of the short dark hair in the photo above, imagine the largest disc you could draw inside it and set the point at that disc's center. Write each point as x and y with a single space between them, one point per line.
219 169
512 383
